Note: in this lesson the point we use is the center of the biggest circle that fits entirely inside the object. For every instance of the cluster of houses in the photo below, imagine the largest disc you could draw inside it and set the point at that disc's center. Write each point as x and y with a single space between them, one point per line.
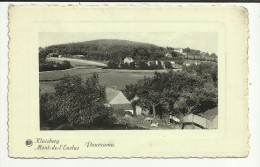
207 120
60 55
129 60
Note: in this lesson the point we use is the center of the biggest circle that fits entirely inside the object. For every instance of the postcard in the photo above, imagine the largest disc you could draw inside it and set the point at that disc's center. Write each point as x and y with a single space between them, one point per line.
124 81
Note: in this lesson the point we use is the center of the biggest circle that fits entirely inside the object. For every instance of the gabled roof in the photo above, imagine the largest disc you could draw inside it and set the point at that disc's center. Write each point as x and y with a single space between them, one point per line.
210 114
116 97
111 94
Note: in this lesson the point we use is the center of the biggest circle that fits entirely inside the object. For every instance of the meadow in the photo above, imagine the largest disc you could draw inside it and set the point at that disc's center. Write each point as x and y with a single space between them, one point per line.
107 77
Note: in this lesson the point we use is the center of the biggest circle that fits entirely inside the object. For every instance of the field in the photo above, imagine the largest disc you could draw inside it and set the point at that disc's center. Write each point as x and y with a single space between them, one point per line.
108 77
77 62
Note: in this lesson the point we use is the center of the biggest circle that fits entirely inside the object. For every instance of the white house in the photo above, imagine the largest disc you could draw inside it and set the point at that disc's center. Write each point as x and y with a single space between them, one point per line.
128 60
172 62
168 55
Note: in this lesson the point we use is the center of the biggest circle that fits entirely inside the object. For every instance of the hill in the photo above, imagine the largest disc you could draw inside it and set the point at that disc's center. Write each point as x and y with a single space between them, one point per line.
116 50
107 49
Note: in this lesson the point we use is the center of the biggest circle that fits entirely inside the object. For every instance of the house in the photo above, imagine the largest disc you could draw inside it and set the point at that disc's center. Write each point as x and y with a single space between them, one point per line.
60 56
206 120
212 116
117 100
172 62
149 63
168 55
128 60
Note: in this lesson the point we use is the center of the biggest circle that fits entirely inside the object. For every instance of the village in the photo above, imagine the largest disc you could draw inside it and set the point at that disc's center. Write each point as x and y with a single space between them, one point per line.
130 111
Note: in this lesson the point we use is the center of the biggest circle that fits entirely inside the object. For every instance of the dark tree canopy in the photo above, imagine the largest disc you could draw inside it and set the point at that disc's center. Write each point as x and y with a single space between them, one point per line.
79 103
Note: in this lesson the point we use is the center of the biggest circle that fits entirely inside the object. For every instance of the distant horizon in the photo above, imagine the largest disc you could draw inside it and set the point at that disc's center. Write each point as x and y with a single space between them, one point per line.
203 41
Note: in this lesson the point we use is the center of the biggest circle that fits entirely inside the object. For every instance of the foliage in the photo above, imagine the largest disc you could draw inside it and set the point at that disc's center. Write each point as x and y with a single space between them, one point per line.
80 103
168 65
192 90
52 65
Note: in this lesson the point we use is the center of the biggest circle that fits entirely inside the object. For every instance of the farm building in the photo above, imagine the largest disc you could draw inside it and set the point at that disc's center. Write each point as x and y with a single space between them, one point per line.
207 120
212 116
117 100
128 60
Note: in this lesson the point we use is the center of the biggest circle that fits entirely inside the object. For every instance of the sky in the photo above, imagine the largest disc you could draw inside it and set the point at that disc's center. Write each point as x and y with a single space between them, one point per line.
204 41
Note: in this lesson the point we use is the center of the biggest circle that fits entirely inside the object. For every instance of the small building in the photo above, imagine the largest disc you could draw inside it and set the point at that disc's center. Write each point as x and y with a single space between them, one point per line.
168 55
128 60
192 121
212 116
206 120
117 100
60 56
172 62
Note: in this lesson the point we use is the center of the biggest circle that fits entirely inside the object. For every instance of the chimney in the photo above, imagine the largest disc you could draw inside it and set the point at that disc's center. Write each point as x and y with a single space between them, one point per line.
114 87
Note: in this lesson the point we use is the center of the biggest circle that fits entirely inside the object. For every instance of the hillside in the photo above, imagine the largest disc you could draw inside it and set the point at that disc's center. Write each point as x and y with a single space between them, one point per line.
107 49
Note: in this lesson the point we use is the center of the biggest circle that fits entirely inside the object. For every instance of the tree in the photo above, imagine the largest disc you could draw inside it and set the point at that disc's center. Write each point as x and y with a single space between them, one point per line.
198 99
143 65
42 56
112 64
80 103
66 64
149 94
168 65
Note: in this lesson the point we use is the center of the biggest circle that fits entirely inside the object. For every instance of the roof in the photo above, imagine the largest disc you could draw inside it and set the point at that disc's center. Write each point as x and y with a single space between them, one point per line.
168 54
111 94
208 119
192 118
128 58
116 97
210 114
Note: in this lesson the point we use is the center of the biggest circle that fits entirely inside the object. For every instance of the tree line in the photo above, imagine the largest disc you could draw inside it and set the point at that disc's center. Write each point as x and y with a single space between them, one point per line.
45 65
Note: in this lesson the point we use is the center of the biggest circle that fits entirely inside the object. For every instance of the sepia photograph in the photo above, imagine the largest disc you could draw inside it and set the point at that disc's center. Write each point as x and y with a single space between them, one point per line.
113 82
128 81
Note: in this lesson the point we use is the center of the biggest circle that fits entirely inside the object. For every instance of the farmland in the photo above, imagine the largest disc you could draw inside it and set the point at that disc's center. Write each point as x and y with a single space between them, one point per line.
107 77
77 62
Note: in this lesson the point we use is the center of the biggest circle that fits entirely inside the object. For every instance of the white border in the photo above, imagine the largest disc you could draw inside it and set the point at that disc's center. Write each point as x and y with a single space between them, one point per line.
254 115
